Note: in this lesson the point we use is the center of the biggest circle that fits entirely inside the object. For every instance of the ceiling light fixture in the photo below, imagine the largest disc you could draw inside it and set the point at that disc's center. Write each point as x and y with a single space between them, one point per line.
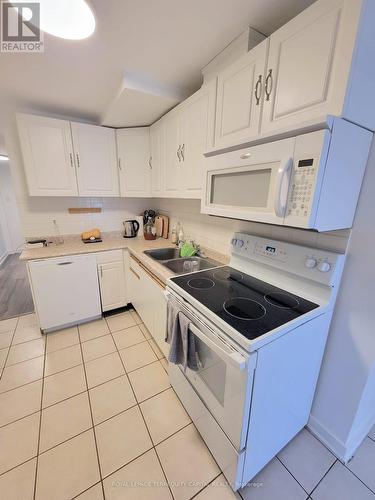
4 158
69 19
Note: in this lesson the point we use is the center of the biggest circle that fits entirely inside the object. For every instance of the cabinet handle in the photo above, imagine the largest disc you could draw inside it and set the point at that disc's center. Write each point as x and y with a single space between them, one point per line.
183 152
119 164
179 153
71 160
268 89
78 164
101 271
64 263
150 162
135 274
258 88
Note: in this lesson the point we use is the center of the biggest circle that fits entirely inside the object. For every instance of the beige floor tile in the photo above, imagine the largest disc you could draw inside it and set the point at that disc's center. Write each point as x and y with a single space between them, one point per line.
27 320
363 463
25 351
128 337
26 333
64 420
19 442
93 329
20 402
149 380
103 369
3 357
98 347
111 398
218 490
21 373
156 349
142 479
63 385
185 458
5 339
137 356
68 469
62 359
94 493
136 317
62 338
145 331
18 484
121 439
164 415
120 321
8 325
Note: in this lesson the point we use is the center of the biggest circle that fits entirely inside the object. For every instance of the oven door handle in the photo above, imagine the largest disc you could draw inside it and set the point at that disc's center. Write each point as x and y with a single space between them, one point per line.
234 358
282 186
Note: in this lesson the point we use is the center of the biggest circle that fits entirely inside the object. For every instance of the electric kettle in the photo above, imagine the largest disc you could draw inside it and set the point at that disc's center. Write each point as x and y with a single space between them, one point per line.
131 228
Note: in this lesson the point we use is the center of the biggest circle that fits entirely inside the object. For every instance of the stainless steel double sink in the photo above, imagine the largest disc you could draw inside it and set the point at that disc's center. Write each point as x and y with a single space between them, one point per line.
170 258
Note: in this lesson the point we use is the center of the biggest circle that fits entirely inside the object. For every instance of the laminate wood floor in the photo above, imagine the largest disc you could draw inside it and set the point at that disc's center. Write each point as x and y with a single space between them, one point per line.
15 292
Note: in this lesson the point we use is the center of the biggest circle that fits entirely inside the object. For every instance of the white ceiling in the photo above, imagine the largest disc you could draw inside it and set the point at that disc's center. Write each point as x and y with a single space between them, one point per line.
164 41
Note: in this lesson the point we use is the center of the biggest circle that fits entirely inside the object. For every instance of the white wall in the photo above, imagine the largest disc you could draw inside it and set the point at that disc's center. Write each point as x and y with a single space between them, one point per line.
344 406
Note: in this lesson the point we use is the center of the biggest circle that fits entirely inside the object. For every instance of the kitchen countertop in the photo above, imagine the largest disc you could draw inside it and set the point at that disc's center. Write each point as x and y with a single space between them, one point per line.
73 245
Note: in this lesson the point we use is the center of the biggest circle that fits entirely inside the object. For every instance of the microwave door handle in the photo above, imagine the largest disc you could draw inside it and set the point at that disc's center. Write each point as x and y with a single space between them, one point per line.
282 186
234 358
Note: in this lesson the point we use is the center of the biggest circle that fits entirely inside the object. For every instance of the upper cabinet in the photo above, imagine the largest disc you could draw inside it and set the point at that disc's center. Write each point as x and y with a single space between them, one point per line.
134 162
188 134
240 97
309 64
95 155
48 156
157 157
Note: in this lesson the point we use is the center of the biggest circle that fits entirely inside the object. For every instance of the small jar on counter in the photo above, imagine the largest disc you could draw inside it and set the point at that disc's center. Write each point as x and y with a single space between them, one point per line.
149 230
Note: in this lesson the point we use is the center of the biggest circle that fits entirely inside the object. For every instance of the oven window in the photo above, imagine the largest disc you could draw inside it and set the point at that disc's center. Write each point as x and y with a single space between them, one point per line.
241 189
212 370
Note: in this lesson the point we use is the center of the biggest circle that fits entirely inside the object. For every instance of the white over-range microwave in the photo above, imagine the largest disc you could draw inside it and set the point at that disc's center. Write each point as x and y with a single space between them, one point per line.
310 181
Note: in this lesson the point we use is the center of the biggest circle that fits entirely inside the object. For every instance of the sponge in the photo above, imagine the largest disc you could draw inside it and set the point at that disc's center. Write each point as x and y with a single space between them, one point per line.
187 250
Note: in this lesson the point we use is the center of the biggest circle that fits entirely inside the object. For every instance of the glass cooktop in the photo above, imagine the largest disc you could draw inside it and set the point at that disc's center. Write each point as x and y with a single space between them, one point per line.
251 306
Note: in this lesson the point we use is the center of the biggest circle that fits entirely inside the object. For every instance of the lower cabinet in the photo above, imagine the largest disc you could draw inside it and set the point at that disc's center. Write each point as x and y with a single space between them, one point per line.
112 280
146 294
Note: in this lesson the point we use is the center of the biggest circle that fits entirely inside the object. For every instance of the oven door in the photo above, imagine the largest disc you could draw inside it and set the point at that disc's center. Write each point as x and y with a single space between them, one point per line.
251 184
223 381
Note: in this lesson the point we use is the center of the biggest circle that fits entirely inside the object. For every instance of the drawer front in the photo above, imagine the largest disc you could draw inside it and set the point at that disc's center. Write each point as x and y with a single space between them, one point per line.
109 256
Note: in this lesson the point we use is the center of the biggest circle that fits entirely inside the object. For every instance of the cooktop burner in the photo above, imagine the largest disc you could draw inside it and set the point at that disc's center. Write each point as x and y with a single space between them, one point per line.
201 283
250 306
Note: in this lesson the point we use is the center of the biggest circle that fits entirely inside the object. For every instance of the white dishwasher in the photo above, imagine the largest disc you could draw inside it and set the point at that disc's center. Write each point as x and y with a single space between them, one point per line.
65 290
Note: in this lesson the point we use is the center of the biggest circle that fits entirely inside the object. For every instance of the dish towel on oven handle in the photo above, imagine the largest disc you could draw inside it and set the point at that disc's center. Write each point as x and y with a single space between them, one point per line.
181 340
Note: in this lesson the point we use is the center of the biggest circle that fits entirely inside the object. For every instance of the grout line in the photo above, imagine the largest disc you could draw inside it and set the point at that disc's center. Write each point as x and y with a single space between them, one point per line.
372 439
22 385
359 479
40 422
10 345
87 489
315 487
207 485
293 476
92 420
18 465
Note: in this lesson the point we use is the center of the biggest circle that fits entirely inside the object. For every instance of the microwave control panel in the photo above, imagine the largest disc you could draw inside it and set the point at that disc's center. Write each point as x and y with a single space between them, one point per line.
302 187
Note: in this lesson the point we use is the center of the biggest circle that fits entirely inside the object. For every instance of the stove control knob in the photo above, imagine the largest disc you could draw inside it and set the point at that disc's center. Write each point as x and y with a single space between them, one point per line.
310 262
234 241
240 243
324 267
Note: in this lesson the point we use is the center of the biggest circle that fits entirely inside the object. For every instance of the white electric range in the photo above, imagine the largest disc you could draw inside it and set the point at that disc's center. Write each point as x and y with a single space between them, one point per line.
260 328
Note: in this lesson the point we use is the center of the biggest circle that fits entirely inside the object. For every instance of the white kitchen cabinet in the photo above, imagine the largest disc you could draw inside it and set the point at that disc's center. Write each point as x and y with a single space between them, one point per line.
188 134
65 290
157 142
134 162
240 97
112 285
146 293
95 156
309 65
47 151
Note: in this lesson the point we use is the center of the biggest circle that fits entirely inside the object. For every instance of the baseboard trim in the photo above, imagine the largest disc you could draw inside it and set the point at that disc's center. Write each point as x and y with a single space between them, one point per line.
3 257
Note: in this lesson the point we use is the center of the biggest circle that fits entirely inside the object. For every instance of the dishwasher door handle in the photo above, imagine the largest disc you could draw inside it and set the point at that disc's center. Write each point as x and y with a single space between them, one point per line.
64 263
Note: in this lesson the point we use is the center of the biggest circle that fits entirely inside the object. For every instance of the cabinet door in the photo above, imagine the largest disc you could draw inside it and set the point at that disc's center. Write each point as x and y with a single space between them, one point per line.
198 116
112 285
240 97
141 293
47 151
157 143
133 148
95 154
173 158
160 317
309 64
